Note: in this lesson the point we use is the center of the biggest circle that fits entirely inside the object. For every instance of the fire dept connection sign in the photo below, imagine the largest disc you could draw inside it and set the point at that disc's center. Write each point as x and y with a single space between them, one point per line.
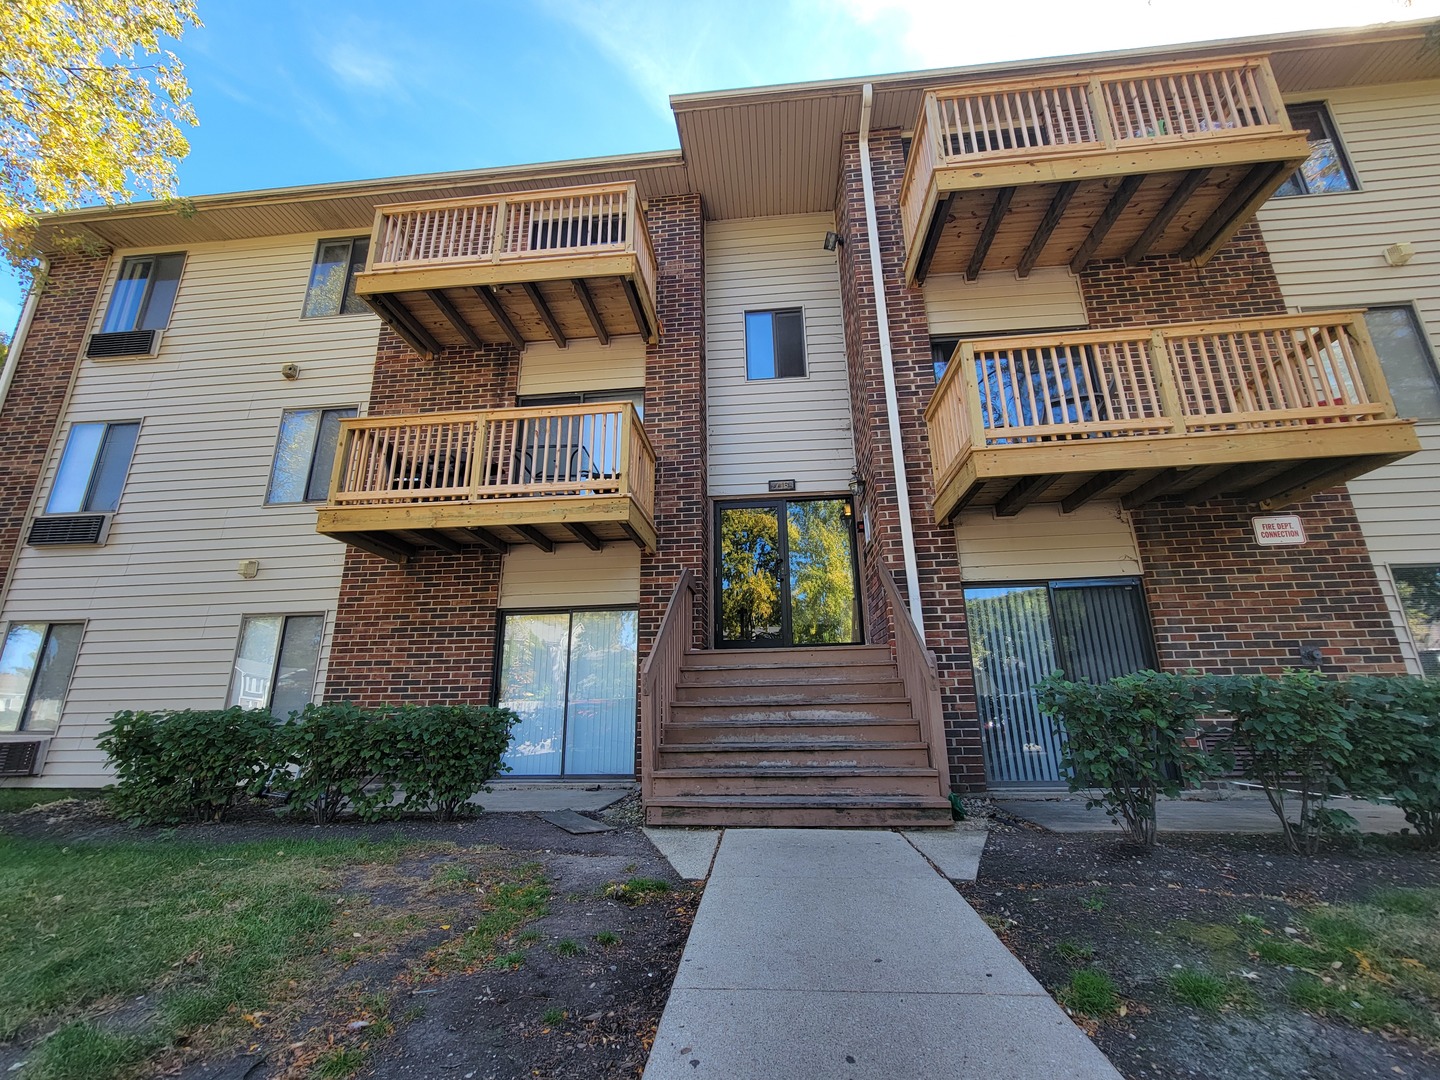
1278 529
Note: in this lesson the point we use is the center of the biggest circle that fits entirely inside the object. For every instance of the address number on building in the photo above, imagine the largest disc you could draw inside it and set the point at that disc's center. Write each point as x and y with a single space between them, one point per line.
1278 529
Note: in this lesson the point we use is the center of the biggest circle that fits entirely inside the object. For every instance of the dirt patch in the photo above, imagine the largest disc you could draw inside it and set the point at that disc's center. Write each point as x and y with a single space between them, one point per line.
1197 903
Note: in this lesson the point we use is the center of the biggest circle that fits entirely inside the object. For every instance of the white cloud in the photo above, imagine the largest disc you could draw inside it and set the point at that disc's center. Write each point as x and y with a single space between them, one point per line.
360 67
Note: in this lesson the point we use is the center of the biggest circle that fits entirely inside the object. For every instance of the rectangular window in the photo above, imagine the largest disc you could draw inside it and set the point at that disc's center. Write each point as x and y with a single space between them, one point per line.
35 668
1406 358
1326 168
1419 589
941 349
144 293
93 468
276 662
775 344
332 279
305 455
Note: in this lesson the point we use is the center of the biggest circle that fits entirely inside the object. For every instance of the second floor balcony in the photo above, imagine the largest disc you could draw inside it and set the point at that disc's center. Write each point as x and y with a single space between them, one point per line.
541 476
1268 410
534 266
1107 164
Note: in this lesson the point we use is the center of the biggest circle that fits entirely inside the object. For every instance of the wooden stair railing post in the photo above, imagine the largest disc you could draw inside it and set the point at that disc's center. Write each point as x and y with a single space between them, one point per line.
1171 404
660 673
921 678
1377 387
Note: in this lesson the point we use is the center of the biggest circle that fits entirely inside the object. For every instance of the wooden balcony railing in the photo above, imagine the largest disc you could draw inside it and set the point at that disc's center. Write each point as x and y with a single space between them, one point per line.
1037 124
527 467
1056 395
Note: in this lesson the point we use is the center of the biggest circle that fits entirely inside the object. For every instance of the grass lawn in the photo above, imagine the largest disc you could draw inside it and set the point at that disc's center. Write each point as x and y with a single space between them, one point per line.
212 940
13 799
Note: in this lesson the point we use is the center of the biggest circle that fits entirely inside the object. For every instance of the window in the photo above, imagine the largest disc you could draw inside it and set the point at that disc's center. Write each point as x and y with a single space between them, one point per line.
276 662
1406 358
144 293
35 668
305 455
775 344
1419 589
941 349
1326 168
92 468
332 279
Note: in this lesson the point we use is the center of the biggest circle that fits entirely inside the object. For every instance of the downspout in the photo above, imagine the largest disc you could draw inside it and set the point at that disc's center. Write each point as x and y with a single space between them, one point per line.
887 368
22 331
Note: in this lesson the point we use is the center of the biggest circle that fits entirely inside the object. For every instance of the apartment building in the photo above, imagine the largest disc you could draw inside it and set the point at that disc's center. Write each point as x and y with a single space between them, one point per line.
775 470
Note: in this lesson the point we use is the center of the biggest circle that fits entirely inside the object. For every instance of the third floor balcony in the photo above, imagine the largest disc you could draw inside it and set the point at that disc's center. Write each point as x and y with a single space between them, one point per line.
524 267
1116 163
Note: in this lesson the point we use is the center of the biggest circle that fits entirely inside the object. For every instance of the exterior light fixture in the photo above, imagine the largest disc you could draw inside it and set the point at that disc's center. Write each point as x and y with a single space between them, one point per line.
857 485
833 240
248 568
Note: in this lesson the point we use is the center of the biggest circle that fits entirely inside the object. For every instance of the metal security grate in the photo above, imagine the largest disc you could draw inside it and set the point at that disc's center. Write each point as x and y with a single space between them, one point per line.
123 343
69 529
19 758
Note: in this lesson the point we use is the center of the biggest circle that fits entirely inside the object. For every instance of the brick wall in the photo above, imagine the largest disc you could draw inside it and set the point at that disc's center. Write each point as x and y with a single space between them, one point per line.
424 631
675 415
37 393
938 563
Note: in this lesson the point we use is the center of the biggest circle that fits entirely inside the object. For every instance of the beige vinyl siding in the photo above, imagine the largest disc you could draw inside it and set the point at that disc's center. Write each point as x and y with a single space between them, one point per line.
1042 544
1000 301
584 364
775 429
571 576
162 599
1327 254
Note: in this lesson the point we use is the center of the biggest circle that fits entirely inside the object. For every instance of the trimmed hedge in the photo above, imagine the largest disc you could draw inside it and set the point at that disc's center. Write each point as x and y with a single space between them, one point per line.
327 760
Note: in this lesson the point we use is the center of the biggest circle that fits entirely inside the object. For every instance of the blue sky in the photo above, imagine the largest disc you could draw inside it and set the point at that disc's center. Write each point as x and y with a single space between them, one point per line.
309 91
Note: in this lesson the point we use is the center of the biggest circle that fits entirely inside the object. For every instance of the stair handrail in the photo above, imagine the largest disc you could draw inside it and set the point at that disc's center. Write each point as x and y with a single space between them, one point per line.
660 674
921 677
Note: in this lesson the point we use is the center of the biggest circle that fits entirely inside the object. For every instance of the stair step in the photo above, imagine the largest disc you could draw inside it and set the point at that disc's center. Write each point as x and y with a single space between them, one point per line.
801 811
861 781
819 656
811 693
793 753
791 711
783 731
786 674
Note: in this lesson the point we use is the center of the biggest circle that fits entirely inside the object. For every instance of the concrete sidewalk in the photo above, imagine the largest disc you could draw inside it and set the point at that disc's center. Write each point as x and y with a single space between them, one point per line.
840 955
1225 812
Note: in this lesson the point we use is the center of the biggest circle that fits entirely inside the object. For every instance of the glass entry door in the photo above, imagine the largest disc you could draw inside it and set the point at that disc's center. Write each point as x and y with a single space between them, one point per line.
1092 630
786 574
570 675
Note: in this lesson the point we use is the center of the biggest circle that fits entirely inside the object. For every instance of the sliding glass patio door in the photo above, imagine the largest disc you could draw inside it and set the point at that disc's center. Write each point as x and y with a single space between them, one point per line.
570 675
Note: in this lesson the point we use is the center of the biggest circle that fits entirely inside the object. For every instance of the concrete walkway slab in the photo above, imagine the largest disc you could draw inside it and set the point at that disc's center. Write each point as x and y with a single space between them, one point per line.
956 852
842 954
1236 812
575 823
689 851
543 798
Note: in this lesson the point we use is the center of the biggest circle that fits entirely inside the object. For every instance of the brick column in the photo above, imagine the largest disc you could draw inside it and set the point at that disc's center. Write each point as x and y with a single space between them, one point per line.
424 632
37 394
941 588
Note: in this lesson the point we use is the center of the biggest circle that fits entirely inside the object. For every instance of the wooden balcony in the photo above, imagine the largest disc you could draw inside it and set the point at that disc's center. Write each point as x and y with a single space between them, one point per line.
538 266
1270 410
1109 164
541 476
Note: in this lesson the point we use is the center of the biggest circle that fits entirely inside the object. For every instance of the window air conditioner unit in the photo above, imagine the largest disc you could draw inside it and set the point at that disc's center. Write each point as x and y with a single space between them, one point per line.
123 343
21 758
58 529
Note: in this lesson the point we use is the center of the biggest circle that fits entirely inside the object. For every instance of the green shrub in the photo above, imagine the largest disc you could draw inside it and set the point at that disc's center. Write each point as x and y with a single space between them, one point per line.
1397 748
1131 739
1293 732
339 756
188 765
445 754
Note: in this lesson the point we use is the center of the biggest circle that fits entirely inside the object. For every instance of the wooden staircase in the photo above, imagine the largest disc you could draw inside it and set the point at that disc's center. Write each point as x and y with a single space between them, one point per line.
825 737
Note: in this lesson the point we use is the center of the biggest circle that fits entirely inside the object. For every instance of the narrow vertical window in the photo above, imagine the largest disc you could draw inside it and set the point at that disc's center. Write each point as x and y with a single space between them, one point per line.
1406 359
1326 169
305 455
276 663
775 344
332 278
36 663
144 293
93 468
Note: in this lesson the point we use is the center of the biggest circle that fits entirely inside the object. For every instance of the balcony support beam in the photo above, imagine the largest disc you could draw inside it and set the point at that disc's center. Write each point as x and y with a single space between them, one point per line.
1106 221
546 315
637 309
535 536
410 331
1161 221
1096 486
443 542
585 535
1063 194
1162 482
486 295
1024 493
998 210
389 548
488 540
1231 479
1259 184
582 293
938 220
454 318
1301 481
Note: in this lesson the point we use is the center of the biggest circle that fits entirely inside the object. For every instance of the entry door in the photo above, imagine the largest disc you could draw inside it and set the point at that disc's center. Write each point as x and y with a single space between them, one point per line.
786 574
571 678
1092 630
